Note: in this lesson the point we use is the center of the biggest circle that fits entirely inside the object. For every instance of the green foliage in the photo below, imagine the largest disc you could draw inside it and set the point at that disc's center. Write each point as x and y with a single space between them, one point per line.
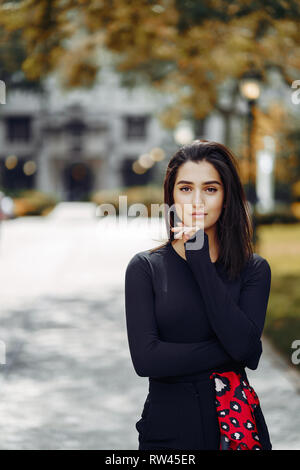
171 42
33 202
283 319
277 217
280 246
194 13
12 56
147 195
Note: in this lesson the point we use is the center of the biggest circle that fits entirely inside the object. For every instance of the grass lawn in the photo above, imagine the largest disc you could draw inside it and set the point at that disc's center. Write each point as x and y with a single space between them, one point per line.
280 245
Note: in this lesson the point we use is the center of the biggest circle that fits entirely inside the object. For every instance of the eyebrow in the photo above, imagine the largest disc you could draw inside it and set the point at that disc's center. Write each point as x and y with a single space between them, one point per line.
205 182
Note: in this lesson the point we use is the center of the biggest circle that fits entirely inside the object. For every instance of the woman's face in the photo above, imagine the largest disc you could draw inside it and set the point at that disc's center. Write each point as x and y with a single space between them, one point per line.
198 186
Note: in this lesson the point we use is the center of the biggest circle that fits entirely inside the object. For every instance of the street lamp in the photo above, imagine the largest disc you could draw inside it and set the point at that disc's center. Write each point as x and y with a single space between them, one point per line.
250 89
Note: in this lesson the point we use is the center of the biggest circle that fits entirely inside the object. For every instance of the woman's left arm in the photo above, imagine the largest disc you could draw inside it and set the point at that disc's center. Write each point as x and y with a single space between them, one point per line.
238 326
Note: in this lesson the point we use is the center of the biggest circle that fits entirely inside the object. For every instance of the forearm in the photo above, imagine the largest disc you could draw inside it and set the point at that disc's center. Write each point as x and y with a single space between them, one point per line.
156 358
238 329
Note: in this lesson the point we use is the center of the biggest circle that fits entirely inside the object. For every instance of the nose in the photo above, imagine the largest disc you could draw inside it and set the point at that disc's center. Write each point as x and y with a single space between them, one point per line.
198 202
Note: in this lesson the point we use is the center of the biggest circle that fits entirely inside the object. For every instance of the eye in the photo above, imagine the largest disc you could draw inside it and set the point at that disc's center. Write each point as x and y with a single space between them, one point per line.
186 187
214 189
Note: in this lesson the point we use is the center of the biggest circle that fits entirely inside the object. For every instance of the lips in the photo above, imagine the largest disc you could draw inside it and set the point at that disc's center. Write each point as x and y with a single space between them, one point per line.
199 213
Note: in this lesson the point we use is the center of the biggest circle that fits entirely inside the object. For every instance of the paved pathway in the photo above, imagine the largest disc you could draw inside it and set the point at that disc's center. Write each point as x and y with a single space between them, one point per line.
68 381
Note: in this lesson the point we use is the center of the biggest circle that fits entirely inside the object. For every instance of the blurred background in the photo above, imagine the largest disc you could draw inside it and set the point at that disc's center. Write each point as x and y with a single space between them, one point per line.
95 97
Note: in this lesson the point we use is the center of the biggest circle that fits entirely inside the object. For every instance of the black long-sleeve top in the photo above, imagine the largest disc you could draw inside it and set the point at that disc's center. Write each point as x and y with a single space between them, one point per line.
185 316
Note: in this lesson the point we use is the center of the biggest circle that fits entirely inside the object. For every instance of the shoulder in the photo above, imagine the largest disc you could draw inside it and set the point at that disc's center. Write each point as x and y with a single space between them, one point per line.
146 260
139 259
257 267
258 263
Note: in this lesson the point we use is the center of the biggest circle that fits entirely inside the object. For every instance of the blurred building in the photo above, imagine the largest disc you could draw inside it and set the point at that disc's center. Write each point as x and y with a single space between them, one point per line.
71 143
74 143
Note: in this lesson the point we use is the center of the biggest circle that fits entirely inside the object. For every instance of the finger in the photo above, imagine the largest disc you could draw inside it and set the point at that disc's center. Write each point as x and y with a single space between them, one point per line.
179 235
189 229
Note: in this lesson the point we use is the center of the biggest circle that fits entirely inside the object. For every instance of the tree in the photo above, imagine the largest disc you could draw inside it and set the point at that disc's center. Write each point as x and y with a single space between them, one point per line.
12 55
184 47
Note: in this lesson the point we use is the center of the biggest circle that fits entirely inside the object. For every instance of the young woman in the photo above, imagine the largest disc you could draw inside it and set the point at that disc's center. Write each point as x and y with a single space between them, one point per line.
195 311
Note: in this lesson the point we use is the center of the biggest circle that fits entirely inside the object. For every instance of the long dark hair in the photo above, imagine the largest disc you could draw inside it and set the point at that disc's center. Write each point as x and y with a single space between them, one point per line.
234 226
